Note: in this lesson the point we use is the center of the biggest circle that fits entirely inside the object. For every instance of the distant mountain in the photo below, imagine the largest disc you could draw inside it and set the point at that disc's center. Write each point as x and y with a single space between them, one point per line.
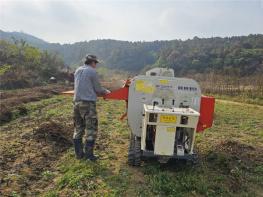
32 40
131 56
242 55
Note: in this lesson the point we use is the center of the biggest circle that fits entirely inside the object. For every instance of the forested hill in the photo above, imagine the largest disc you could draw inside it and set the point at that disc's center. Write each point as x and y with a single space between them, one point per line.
17 36
242 55
235 55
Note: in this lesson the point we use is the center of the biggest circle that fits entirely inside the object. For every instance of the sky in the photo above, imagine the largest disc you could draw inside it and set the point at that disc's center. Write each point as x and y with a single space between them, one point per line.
70 21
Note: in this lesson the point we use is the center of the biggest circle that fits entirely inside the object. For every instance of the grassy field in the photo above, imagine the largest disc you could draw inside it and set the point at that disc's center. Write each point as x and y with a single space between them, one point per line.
240 98
37 158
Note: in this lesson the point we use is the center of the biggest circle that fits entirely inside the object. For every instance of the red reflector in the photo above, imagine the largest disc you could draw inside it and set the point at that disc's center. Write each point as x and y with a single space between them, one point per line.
206 118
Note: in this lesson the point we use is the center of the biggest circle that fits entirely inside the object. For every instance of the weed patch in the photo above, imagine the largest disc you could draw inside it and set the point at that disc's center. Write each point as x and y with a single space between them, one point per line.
54 133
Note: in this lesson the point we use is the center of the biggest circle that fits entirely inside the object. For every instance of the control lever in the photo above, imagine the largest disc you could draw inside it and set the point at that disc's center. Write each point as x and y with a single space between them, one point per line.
155 103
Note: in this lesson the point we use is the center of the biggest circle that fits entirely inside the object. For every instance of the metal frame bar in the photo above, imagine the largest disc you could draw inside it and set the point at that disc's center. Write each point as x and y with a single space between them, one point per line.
186 157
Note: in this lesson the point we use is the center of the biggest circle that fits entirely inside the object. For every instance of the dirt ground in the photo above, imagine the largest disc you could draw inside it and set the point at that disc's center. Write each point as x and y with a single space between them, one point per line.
14 100
30 145
31 154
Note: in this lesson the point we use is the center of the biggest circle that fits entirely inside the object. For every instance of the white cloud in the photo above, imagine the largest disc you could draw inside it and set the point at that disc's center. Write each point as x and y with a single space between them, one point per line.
71 21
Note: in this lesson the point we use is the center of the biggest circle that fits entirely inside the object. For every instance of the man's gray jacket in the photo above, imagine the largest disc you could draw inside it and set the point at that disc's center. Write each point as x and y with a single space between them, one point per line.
86 84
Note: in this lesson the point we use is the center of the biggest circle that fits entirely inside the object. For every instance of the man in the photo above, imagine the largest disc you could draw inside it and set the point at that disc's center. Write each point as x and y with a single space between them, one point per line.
86 89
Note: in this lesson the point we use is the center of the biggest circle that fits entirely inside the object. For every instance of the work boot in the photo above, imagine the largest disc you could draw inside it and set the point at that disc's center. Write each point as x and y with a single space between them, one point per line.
78 148
89 147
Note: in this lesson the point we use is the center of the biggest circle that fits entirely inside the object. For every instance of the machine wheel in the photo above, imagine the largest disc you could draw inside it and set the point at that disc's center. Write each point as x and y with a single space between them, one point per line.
195 160
137 151
192 161
131 150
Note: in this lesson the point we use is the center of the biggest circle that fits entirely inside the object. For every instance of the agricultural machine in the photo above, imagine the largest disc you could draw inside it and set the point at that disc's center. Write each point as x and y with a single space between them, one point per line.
164 114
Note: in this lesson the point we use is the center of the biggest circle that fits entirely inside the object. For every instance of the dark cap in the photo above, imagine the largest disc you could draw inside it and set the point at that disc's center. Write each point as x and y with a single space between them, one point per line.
92 58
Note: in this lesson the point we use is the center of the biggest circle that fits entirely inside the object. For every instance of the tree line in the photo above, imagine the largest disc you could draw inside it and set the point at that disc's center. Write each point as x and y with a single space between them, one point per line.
22 65
236 56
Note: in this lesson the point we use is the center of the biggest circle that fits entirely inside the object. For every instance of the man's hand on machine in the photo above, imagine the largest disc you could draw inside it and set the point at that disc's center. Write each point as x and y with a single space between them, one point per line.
108 91
102 94
105 93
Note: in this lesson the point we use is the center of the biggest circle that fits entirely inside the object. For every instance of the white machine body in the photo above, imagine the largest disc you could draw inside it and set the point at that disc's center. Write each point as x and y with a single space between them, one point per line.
163 110
165 123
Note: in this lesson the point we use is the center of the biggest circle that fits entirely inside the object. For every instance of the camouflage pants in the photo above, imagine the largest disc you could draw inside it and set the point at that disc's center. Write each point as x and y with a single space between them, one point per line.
85 120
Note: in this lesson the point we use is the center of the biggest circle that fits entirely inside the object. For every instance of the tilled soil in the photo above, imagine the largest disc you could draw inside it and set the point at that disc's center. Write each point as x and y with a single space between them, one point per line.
231 156
54 133
14 100
245 153
24 161
30 147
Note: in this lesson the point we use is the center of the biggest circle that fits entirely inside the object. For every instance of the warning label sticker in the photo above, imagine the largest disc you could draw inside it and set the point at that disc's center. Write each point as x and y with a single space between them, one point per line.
170 129
163 81
168 119
142 86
